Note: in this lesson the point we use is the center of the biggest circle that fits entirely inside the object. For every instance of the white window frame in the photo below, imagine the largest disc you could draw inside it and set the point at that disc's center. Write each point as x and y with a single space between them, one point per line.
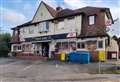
31 30
81 45
43 26
91 19
18 47
98 44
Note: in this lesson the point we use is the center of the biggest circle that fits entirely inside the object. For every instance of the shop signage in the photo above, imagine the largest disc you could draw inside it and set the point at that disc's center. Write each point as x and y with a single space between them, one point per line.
108 23
50 37
42 38
71 35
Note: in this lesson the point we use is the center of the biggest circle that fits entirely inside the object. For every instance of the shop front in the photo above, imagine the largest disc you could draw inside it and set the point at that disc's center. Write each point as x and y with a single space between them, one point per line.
43 46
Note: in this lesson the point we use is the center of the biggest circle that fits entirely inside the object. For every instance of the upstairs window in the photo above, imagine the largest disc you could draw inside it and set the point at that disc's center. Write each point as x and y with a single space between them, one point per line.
61 24
100 44
23 30
31 30
91 20
70 23
44 26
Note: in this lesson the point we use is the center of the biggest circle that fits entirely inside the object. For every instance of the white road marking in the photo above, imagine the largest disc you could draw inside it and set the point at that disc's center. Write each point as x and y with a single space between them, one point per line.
56 65
27 67
1 80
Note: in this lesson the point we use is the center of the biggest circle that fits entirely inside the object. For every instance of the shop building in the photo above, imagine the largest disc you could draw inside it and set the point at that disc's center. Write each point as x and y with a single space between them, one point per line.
84 29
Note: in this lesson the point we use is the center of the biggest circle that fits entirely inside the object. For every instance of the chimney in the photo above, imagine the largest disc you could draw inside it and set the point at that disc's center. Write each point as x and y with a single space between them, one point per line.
58 8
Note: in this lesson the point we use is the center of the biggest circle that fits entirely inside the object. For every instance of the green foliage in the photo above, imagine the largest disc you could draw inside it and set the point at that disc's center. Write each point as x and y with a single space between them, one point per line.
4 44
116 71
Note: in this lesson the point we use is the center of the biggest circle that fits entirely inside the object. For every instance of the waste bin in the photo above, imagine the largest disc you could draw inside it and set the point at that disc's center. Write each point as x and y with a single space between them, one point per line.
84 57
62 56
102 56
79 57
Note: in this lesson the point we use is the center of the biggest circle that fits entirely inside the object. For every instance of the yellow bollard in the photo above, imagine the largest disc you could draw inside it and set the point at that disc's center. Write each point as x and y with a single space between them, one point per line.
62 56
102 56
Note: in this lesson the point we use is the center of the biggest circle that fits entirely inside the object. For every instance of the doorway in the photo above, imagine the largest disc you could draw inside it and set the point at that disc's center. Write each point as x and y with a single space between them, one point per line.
45 49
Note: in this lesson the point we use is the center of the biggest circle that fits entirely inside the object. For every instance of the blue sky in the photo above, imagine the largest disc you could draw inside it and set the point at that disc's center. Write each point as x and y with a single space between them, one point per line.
15 12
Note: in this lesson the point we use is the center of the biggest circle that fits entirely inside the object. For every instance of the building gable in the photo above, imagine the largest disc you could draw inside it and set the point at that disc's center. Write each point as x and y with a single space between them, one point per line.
43 13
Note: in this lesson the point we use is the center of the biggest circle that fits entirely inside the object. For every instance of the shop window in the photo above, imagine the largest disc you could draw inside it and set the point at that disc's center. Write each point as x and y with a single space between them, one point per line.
17 48
72 44
26 47
65 45
81 45
91 20
100 44
59 45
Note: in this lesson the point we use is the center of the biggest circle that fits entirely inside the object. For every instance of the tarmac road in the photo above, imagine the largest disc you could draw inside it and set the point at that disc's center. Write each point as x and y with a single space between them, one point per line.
16 70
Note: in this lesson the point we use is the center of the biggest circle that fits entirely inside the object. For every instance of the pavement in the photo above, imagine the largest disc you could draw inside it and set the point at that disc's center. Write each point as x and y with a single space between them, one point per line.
17 70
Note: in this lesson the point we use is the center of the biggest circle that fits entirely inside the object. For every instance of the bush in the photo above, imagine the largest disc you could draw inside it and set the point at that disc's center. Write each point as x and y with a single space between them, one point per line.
4 44
4 50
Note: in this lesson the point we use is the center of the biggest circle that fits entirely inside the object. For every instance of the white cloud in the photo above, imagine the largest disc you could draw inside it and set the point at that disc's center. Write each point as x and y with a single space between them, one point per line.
52 3
75 3
12 17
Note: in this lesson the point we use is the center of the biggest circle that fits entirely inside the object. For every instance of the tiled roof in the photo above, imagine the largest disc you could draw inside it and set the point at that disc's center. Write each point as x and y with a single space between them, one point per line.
85 31
22 25
65 12
51 10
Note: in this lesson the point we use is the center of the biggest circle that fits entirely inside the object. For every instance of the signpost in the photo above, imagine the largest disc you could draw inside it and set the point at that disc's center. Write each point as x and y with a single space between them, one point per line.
108 25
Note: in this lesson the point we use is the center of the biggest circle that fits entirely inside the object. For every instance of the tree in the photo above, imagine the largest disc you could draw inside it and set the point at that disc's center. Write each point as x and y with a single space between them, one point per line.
4 44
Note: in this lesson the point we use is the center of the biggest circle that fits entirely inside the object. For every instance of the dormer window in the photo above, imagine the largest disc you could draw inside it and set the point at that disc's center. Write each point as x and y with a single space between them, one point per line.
91 20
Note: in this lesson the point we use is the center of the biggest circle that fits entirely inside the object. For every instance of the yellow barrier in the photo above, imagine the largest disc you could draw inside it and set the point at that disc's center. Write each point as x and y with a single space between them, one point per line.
102 56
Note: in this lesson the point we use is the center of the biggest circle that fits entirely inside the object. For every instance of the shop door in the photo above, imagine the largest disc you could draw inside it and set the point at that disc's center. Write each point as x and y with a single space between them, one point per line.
45 49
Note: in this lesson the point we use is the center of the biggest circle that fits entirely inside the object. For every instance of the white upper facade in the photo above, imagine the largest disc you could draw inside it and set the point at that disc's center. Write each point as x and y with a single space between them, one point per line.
47 27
